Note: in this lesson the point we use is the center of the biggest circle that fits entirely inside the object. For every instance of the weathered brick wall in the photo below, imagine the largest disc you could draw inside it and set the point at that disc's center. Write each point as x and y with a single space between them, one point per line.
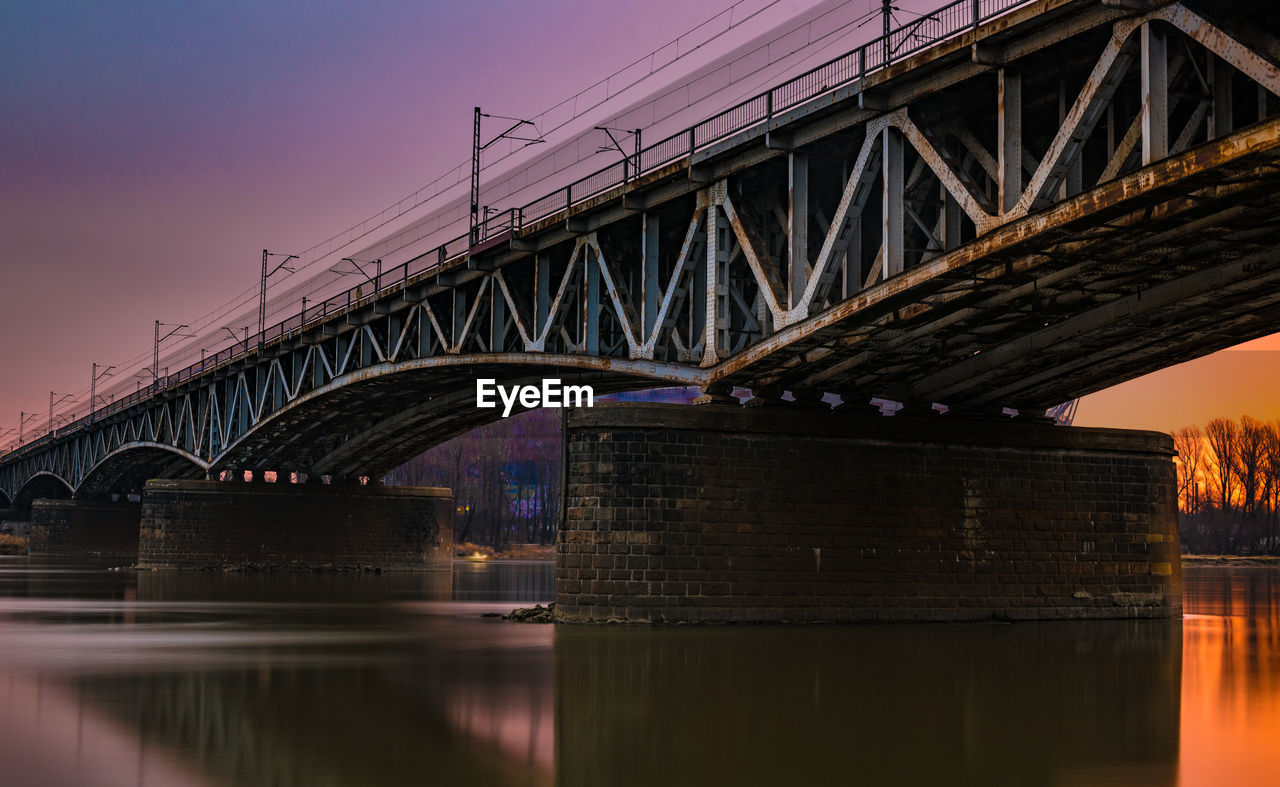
84 527
729 514
216 524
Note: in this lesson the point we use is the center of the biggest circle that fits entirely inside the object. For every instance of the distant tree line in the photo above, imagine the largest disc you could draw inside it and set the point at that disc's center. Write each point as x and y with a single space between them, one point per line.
505 477
1229 486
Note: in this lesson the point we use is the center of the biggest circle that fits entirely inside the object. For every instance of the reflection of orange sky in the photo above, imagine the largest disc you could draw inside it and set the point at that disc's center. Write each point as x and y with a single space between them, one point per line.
1244 380
1231 689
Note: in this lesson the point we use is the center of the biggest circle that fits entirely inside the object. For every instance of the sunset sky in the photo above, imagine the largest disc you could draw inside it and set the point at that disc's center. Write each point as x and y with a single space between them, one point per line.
151 150
1232 383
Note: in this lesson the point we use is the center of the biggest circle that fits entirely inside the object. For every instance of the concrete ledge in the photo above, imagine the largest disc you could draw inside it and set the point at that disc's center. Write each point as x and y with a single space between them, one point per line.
309 490
790 420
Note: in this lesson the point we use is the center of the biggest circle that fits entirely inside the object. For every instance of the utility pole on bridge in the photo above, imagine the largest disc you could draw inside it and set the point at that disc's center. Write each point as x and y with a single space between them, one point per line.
375 279
155 349
630 163
23 420
53 404
886 15
236 339
93 387
262 294
473 236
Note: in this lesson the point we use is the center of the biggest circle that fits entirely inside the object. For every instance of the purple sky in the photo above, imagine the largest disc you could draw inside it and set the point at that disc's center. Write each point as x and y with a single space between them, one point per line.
150 150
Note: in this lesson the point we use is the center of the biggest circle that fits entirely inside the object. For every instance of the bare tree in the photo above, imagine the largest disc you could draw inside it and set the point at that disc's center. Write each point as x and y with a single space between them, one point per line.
1249 456
504 476
1271 485
1240 510
1189 443
1222 435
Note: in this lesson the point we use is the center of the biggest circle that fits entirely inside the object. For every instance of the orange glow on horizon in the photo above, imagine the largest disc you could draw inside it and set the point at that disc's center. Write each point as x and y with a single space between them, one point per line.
1230 383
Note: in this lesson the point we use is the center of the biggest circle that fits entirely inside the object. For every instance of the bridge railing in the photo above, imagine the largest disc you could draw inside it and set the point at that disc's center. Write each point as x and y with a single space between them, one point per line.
949 21
946 22
741 116
840 71
663 153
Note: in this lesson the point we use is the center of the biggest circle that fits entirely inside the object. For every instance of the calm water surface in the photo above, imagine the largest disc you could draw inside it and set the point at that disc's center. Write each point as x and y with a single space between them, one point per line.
111 677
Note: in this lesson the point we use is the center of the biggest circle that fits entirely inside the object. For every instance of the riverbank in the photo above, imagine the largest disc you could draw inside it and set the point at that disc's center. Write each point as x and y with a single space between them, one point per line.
12 545
510 552
1269 561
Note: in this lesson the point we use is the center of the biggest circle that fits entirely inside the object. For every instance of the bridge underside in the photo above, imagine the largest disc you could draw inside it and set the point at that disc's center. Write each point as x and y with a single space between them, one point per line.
128 469
377 422
1150 270
44 486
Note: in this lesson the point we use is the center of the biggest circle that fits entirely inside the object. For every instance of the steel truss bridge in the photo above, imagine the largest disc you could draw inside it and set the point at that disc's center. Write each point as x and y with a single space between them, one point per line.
1004 204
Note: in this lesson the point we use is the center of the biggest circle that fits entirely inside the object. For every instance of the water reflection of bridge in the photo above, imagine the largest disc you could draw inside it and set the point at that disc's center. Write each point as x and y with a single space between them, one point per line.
336 725
1032 704
265 679
357 680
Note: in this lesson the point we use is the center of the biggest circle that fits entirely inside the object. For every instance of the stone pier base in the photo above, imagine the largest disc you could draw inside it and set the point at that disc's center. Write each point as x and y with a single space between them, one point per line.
718 513
84 527
212 524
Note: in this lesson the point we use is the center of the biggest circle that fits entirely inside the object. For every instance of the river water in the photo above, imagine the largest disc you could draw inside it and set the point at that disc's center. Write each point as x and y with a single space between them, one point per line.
113 677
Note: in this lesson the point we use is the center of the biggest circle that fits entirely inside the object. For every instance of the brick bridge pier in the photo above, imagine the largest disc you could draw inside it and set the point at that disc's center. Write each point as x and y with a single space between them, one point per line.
220 524
723 513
